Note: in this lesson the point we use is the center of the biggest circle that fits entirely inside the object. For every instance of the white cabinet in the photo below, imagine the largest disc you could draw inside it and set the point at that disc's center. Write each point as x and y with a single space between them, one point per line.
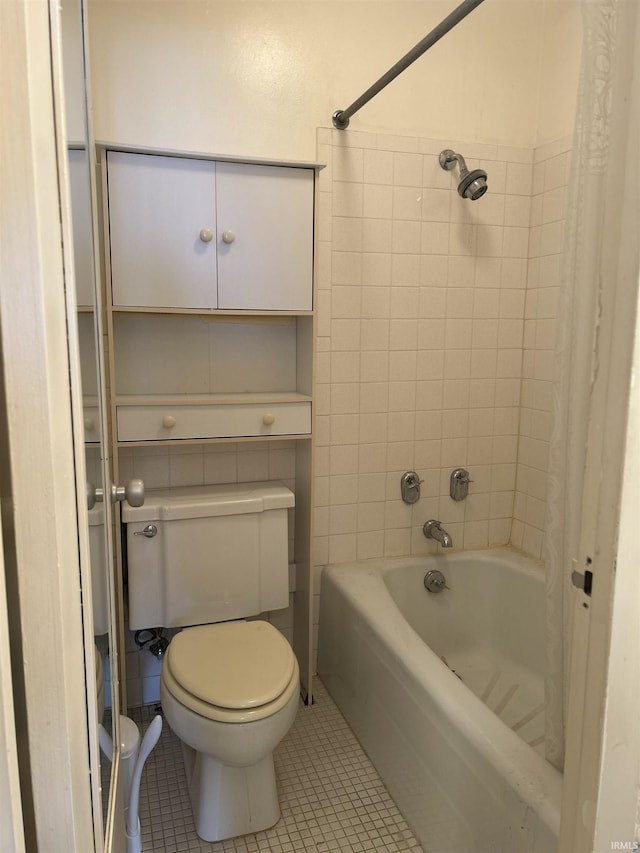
158 207
191 233
210 323
265 243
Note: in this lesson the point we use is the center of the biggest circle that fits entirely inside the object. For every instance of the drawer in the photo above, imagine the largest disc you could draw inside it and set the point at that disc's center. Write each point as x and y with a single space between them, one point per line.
163 422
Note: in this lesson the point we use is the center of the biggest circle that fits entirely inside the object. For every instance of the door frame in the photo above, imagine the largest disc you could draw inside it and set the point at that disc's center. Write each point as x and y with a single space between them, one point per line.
40 502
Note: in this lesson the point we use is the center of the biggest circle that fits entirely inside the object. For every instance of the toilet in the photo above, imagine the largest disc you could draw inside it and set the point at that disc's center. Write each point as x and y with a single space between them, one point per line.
205 559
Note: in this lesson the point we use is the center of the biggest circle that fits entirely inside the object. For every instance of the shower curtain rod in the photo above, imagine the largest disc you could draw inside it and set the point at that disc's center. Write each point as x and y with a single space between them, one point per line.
341 118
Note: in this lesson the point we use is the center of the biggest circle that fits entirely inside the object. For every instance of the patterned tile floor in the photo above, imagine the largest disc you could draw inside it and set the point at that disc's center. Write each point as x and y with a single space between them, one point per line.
331 797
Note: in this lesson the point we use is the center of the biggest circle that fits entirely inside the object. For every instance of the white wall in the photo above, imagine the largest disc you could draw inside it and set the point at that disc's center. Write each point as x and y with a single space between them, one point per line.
559 66
257 78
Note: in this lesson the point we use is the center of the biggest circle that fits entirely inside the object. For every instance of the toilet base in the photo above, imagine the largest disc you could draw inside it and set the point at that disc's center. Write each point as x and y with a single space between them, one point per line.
229 801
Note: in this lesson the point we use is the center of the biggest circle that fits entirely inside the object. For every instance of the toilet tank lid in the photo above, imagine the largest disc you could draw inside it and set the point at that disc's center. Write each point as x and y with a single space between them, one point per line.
208 501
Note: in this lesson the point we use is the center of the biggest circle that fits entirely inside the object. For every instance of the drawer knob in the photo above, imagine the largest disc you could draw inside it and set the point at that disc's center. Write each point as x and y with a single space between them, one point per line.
206 235
89 424
168 421
228 236
268 419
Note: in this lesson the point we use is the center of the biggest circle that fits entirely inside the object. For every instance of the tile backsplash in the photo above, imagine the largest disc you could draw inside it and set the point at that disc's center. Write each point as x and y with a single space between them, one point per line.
436 328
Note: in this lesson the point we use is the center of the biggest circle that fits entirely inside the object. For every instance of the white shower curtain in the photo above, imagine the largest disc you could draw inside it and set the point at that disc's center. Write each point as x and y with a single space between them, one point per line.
602 161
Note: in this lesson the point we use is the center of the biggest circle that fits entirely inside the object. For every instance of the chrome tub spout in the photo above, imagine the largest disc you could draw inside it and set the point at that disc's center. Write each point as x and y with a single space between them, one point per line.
432 529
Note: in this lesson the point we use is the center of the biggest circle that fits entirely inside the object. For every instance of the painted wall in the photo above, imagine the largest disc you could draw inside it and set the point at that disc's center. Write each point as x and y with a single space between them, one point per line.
257 78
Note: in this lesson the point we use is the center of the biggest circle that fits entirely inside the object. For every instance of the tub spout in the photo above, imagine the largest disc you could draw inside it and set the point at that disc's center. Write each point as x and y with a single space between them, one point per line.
432 529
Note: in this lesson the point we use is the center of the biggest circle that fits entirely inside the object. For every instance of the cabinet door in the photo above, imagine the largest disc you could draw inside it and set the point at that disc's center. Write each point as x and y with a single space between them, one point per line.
265 237
162 231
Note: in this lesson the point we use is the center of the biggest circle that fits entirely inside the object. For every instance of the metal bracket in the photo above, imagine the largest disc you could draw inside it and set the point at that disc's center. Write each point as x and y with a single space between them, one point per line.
583 581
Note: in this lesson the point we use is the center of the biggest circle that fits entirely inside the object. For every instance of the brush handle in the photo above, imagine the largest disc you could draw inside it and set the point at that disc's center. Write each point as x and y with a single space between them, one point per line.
149 740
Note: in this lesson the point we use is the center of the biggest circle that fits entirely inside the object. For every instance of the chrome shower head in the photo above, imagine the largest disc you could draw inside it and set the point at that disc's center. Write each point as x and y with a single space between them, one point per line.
473 184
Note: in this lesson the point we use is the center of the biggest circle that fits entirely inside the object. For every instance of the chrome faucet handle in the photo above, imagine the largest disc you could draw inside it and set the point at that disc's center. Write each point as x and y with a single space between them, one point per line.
459 484
410 487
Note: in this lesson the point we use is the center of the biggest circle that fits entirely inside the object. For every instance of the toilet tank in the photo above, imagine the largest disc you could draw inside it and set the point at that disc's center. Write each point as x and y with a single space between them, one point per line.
217 553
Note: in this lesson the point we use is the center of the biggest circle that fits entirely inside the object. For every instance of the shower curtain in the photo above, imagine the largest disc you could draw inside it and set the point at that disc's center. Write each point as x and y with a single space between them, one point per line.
602 161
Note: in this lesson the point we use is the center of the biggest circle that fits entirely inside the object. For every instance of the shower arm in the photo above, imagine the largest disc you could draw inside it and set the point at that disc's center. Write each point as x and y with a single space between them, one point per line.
341 118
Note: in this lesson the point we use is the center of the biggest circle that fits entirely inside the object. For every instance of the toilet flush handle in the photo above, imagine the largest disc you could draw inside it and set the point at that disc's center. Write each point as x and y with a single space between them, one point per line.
149 531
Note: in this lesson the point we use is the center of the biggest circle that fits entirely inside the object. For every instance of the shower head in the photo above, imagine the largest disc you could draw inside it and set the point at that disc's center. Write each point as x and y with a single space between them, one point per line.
473 184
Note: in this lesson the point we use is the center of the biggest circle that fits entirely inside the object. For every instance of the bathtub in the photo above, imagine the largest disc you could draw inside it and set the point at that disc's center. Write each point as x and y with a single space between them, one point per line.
445 693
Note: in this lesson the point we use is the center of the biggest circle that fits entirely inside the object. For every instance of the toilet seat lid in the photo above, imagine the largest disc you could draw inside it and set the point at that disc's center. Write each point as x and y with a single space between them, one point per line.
234 665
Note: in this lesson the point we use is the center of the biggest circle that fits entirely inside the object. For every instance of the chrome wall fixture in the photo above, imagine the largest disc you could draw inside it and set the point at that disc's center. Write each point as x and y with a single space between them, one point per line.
472 185
410 487
432 529
341 118
459 484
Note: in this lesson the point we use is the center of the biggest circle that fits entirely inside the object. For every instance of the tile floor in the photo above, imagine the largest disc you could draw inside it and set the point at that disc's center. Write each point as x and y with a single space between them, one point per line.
331 797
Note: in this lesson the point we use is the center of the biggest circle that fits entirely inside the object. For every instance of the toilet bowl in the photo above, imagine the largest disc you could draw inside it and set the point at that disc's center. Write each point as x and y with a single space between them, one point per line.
230 693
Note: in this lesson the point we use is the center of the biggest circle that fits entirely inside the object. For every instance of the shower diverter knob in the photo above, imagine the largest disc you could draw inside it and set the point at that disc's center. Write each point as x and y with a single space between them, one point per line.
168 421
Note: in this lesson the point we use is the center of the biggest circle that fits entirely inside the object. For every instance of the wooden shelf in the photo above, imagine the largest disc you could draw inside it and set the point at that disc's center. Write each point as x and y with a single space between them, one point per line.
208 312
211 399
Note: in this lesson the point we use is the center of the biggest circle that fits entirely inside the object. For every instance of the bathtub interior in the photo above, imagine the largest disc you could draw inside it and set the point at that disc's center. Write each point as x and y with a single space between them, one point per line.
487 628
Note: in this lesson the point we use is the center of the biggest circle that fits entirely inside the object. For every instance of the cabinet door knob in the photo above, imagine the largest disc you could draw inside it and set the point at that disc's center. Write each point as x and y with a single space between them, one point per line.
168 421
268 419
89 424
228 236
206 235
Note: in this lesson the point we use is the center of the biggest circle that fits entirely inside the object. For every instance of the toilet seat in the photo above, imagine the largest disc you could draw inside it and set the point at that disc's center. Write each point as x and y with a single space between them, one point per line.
232 671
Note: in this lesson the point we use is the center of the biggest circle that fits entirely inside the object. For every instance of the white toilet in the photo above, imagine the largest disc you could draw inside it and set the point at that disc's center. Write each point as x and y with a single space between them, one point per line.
212 554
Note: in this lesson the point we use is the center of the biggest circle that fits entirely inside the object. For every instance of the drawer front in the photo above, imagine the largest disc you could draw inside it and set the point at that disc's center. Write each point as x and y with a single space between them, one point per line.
156 423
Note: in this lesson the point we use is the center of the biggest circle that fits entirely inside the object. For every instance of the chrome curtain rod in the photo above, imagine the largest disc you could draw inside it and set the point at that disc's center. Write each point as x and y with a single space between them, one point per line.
341 118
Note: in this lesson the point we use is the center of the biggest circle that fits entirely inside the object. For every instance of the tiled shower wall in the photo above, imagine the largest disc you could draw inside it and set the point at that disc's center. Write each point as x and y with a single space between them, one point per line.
436 336
421 307
548 212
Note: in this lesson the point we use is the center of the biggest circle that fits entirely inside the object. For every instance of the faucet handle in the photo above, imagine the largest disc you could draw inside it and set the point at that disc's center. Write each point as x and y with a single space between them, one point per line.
410 487
459 484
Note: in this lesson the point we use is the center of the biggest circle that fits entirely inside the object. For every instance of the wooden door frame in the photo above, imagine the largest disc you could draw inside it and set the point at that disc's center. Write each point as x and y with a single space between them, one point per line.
40 512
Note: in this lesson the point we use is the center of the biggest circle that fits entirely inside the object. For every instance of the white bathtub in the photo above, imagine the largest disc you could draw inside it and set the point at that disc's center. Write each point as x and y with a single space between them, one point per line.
432 684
